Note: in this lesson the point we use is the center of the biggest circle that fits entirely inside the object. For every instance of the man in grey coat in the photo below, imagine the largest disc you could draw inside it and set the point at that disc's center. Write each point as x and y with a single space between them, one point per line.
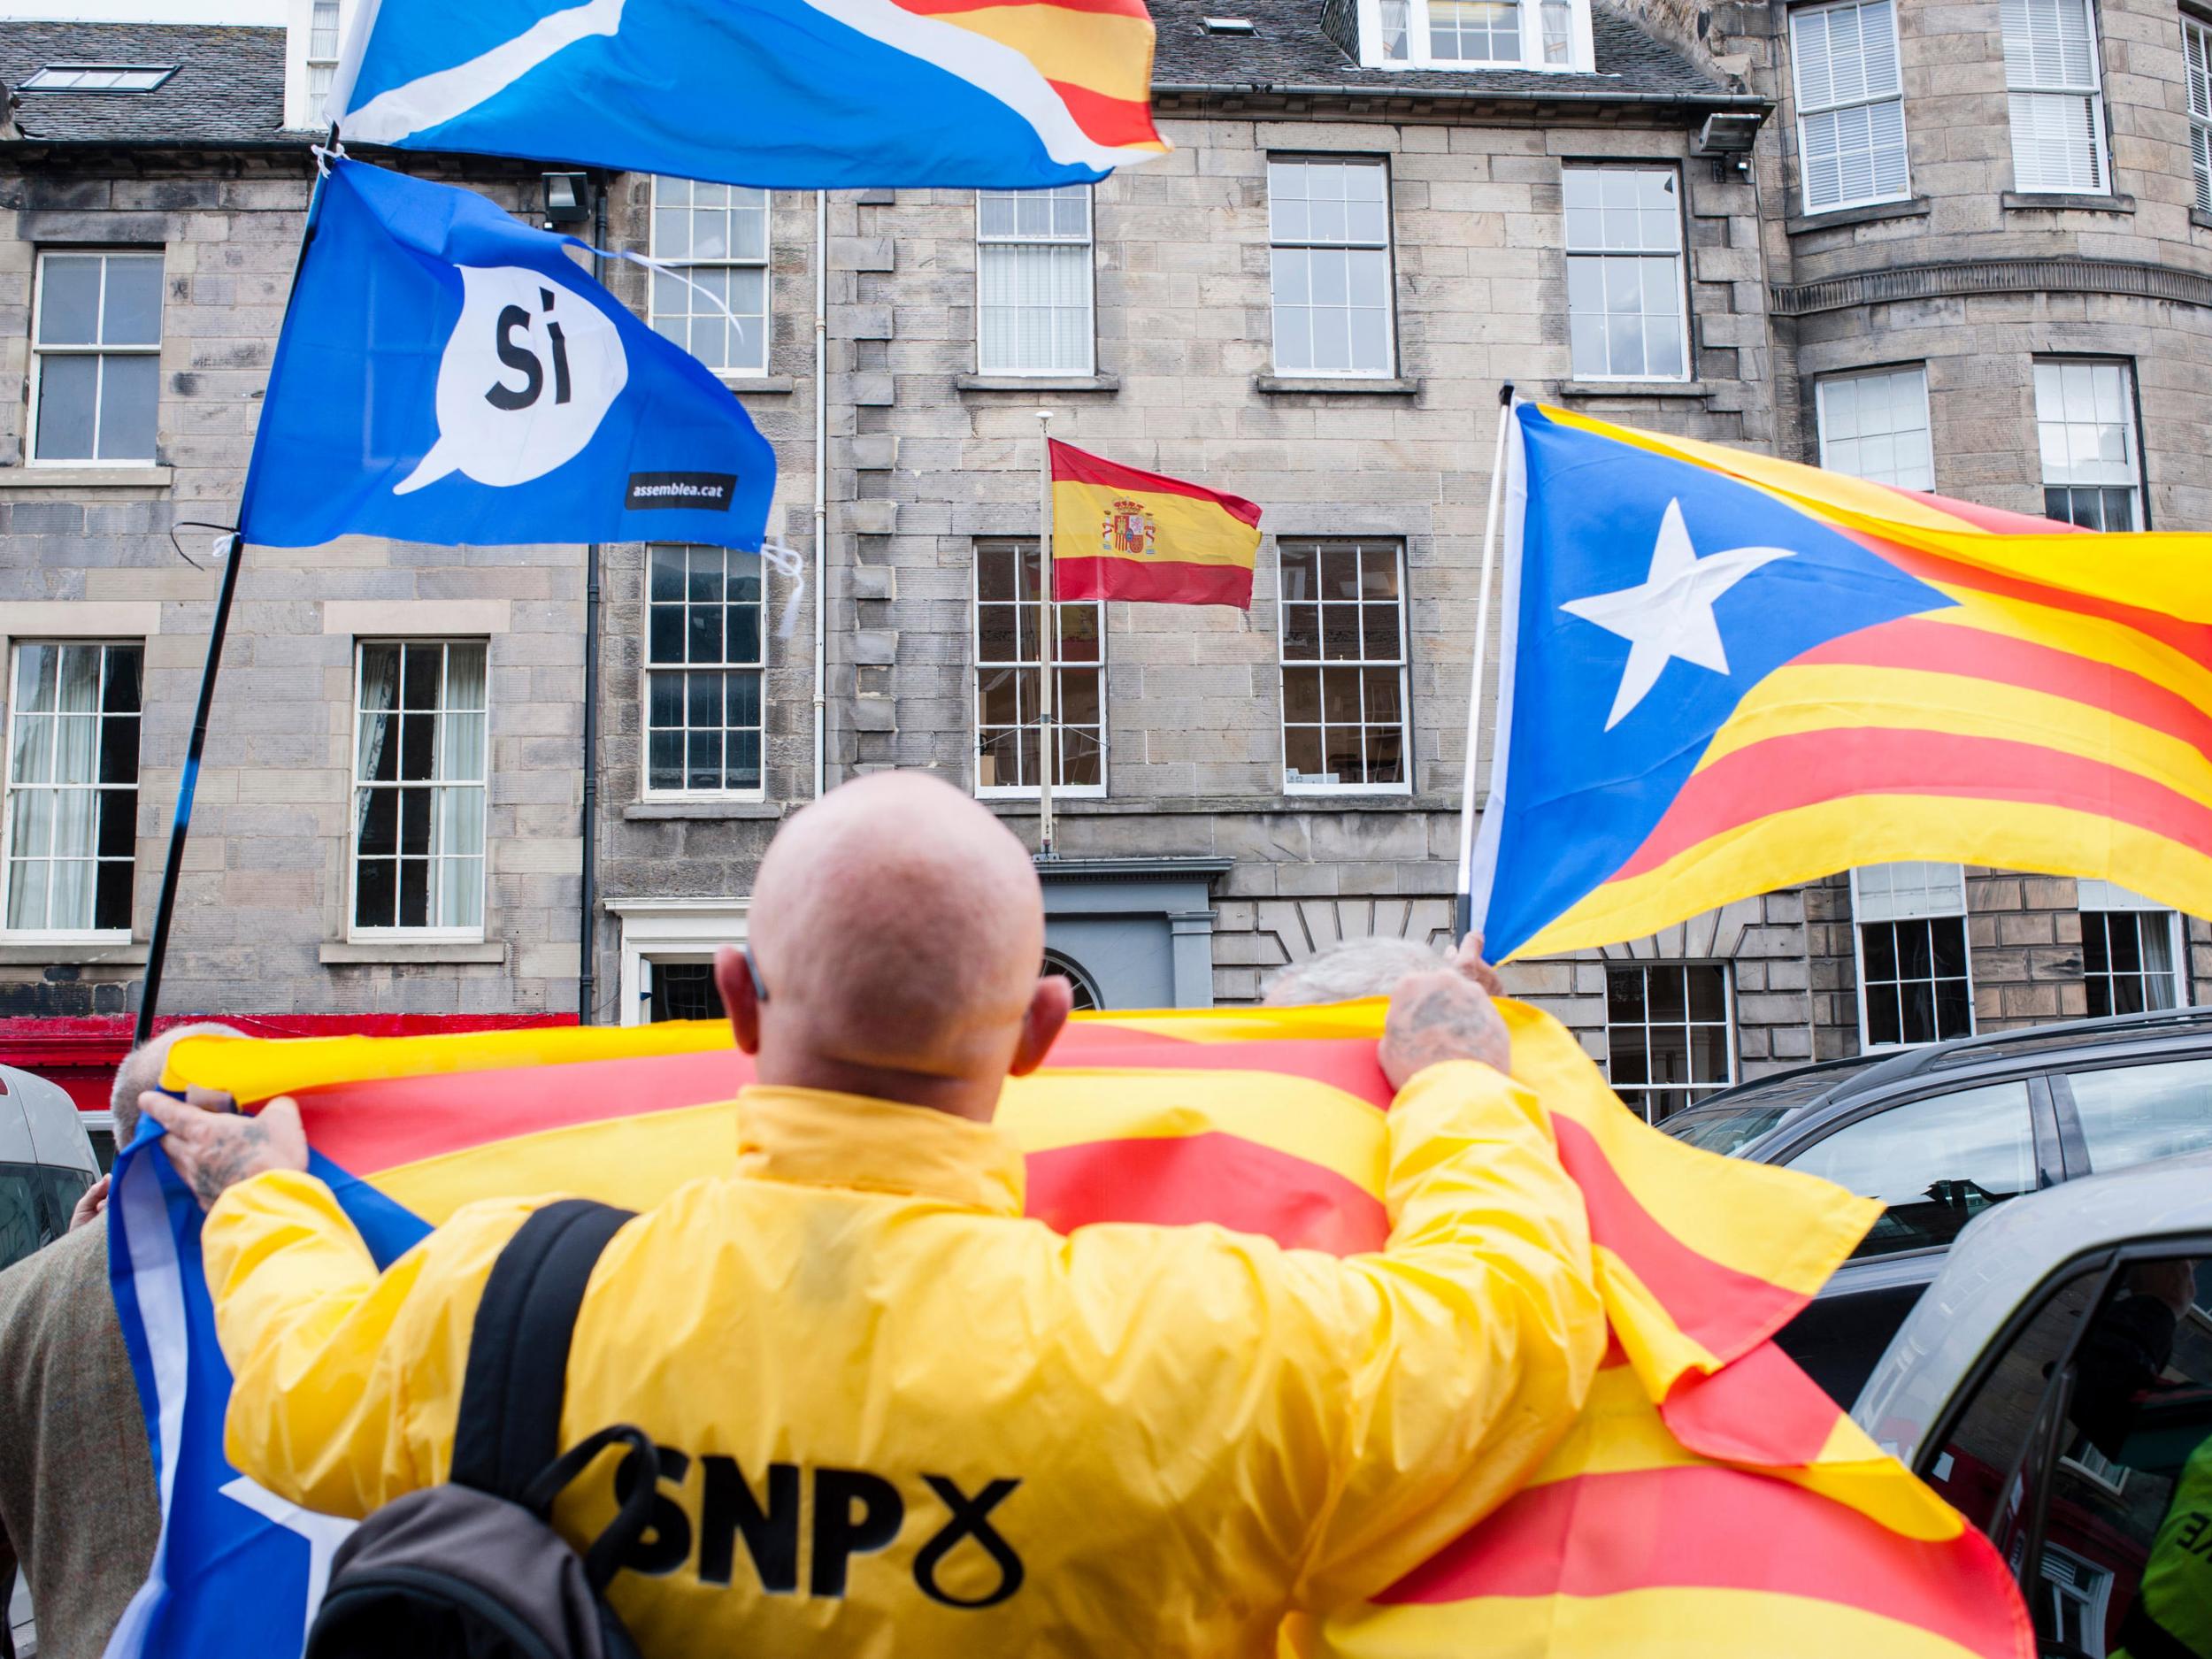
77 1500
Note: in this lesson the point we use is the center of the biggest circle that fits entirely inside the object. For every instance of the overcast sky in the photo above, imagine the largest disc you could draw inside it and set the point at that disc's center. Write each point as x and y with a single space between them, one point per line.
148 11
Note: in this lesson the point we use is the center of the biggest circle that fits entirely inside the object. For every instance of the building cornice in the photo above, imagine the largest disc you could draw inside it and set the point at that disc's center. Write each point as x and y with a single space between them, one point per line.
1369 101
2064 274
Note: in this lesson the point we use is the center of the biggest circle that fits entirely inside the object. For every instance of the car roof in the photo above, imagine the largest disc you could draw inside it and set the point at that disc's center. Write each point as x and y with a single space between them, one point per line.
38 1123
1857 1076
1997 1263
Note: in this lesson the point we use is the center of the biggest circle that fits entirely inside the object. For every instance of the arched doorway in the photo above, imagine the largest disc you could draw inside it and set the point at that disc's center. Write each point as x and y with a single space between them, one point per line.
1087 994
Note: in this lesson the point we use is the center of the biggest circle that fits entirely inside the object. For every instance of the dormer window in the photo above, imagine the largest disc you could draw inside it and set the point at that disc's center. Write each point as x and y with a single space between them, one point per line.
1545 34
315 33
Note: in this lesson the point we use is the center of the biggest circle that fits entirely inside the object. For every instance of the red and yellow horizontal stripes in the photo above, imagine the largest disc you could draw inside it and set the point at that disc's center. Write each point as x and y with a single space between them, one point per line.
1119 533
1096 54
2057 716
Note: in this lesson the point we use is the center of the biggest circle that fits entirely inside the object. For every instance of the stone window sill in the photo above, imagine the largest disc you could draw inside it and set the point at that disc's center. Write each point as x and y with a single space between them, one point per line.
1037 382
649 810
1206 805
1310 385
764 384
2201 220
2023 202
346 954
1634 388
87 953
86 477
1873 213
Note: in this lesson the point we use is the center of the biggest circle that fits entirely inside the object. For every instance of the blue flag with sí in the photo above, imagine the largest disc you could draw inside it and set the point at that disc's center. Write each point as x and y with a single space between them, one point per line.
449 375
801 94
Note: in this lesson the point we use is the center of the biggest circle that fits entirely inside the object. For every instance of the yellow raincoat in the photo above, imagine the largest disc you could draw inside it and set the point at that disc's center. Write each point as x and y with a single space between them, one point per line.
893 1411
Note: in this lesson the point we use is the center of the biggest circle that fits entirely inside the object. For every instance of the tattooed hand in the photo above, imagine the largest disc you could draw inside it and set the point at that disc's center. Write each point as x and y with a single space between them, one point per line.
1445 1015
214 1147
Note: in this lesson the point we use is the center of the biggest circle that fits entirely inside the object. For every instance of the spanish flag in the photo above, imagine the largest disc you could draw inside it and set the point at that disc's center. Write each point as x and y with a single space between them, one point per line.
1725 674
1710 1499
1119 534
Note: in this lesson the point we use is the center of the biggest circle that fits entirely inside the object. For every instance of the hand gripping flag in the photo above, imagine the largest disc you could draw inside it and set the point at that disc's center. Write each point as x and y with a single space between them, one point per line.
801 94
1710 1497
1120 533
1724 674
448 376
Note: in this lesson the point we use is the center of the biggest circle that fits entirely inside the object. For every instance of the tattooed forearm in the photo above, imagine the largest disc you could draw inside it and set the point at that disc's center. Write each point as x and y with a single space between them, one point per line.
1439 1017
239 1148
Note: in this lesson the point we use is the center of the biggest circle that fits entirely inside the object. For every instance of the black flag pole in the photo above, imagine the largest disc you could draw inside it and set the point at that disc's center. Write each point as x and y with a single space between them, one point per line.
187 784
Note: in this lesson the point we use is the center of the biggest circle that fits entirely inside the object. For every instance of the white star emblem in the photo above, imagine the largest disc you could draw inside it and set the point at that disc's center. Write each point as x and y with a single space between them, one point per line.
323 1533
1670 613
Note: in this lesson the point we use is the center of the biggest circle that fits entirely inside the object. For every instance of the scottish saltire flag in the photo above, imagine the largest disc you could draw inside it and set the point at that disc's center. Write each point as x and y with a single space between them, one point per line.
449 375
1724 674
787 94
1708 1488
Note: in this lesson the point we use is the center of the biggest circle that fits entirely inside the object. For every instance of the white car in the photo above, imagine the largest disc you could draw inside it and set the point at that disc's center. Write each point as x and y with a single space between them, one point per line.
2055 1384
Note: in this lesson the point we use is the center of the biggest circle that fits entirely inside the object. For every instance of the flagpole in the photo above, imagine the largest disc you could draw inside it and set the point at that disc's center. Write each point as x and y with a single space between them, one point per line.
188 783
1047 626
1464 912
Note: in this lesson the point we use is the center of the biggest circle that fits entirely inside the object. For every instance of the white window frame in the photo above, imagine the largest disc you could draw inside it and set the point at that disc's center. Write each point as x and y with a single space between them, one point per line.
1827 382
300 114
2109 898
1029 791
415 935
2138 493
1403 665
1089 245
670 930
1799 18
1643 1092
2196 51
648 668
765 264
2091 89
1581 56
41 351
1681 271
1388 246
9 648
1859 920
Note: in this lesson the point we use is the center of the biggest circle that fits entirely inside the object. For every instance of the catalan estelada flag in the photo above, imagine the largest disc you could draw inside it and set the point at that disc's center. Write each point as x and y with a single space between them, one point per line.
780 94
1724 674
1120 533
1709 1500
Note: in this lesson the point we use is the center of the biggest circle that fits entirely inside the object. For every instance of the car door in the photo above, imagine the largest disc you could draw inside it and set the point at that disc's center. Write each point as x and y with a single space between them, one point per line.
2117 1114
2082 1445
1935 1162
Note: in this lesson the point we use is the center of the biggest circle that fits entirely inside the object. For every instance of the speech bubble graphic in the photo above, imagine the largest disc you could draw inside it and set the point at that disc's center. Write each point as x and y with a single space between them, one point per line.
530 370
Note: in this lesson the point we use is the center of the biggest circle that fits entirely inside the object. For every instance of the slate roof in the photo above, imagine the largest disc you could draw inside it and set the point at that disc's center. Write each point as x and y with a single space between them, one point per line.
1289 49
228 90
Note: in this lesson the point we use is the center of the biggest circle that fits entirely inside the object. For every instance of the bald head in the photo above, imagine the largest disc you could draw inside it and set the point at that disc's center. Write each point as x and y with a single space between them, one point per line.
141 1069
898 927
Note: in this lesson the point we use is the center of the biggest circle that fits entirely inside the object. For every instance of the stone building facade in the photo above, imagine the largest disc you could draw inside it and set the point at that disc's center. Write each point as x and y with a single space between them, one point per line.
1312 302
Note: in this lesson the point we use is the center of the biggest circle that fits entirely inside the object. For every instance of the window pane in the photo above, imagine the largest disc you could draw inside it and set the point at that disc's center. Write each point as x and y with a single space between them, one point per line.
68 389
2132 1114
69 300
130 390
131 315
1935 1163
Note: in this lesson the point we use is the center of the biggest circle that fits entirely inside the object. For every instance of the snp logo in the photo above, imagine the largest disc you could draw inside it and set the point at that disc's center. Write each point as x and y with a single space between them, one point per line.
529 374
855 1513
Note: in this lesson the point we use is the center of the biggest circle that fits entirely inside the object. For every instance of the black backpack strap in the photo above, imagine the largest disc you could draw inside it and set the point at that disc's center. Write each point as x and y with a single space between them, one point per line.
509 1426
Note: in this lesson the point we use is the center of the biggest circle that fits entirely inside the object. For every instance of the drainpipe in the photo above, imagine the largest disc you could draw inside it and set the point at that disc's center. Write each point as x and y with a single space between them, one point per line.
821 489
586 976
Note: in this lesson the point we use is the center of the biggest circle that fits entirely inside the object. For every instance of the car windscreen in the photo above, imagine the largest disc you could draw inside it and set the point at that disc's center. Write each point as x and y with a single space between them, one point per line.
1728 1129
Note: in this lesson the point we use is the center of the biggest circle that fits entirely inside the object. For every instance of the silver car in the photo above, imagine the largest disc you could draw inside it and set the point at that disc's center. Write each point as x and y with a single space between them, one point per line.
2055 1384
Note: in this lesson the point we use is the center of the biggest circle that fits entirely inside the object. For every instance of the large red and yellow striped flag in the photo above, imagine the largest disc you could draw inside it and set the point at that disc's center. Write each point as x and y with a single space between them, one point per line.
1725 674
1120 533
1710 1500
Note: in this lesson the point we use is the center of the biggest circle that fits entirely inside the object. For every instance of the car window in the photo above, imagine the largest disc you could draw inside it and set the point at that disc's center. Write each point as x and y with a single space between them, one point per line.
2125 1519
1934 1164
35 1200
2135 1113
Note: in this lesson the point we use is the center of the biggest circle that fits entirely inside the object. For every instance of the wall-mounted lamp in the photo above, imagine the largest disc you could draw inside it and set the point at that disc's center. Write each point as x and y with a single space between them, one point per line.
1728 136
567 197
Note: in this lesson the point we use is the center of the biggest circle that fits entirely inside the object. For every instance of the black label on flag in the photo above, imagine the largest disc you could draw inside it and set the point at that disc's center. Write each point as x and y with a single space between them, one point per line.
710 492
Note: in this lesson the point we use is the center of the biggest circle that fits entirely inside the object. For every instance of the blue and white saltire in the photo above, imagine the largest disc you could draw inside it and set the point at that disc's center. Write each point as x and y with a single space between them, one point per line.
238 1571
780 93
449 375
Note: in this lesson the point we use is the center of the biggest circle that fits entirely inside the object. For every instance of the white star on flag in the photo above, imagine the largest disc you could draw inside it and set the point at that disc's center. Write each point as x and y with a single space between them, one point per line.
1670 613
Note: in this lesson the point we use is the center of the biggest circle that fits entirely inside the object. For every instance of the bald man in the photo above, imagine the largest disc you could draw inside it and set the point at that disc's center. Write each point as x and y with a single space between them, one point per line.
895 1415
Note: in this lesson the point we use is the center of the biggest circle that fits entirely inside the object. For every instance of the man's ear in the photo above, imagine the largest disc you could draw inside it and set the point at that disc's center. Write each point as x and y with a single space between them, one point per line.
1050 1006
736 988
